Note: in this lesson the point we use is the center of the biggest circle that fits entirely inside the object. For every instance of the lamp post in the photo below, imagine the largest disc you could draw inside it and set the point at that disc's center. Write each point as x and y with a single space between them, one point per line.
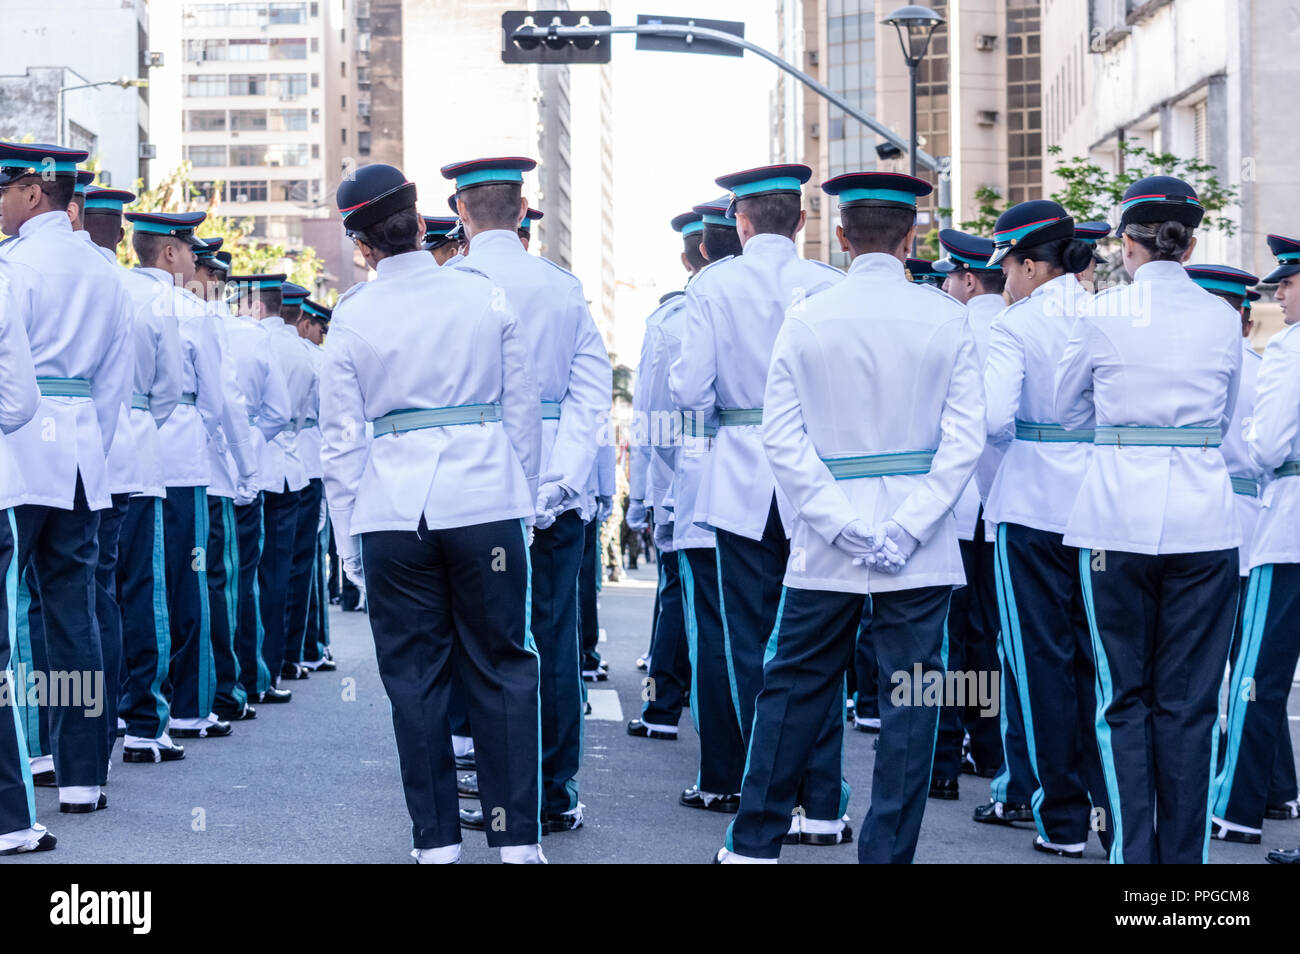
915 25
125 82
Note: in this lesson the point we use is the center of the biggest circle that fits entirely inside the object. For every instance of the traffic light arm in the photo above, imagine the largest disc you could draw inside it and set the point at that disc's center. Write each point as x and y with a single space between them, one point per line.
939 165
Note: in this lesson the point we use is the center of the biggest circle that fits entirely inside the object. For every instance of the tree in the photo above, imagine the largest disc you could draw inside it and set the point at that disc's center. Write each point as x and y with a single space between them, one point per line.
176 192
1091 193
991 206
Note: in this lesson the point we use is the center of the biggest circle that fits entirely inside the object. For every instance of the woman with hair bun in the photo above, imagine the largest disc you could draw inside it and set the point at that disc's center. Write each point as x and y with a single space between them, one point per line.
1044 639
1156 364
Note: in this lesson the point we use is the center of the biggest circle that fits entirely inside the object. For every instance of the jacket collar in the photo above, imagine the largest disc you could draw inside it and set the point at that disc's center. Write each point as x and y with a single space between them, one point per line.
767 244
1161 272
405 263
52 221
877 264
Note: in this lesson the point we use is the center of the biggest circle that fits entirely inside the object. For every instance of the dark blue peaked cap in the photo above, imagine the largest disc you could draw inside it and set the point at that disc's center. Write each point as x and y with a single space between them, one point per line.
372 194
1160 199
963 250
177 224
717 211
1223 278
292 294
923 272
785 178
109 201
317 310
1028 225
882 189
84 178
688 223
477 172
1287 251
439 225
18 159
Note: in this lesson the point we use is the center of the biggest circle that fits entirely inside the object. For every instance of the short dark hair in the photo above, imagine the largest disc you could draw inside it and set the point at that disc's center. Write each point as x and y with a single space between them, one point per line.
876 228
493 206
990 281
1060 255
148 245
691 247
270 298
290 313
395 234
774 214
721 241
59 190
1236 301
1166 241
104 229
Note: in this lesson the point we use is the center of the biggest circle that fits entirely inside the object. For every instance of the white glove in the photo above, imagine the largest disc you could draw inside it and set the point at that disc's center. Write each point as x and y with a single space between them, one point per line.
245 494
550 503
636 514
856 540
528 536
604 507
894 547
664 534
353 571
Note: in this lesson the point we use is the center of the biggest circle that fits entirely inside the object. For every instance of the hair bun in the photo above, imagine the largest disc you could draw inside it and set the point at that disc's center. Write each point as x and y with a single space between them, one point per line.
1173 238
1076 256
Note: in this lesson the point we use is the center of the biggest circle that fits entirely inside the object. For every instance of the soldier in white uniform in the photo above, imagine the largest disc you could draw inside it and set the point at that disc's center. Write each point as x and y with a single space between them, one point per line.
1045 637
575 378
433 512
437 241
734 308
1157 363
75 313
19 399
973 618
1259 751
872 425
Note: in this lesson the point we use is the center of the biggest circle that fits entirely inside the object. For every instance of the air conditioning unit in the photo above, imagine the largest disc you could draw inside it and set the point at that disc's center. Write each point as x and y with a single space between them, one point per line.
153 58
986 117
148 150
986 42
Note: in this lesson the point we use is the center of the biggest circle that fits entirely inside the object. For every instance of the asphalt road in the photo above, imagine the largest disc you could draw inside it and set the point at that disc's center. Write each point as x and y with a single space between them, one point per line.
317 781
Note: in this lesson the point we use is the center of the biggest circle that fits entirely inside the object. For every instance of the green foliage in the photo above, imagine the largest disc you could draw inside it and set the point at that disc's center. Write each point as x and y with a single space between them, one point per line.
175 192
991 206
1090 192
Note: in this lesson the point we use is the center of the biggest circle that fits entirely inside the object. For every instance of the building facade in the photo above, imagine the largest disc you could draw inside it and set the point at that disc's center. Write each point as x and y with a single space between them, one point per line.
55 51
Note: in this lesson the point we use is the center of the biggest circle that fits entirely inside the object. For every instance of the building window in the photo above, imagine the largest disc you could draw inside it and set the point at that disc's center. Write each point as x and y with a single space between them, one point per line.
247 191
200 51
315 116
248 155
315 81
248 120
246 50
259 225
290 190
344 133
247 84
315 9
287 84
283 13
1025 102
292 155
206 155
205 120
205 85
289 120
204 14
363 142
208 189
315 44
289 49
245 14
315 150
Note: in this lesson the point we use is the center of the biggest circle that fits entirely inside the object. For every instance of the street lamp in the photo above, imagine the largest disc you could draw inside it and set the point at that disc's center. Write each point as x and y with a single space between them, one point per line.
915 25
125 82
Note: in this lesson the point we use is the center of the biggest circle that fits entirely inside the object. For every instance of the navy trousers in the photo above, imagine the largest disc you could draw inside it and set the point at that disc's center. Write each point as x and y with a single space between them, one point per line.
280 522
556 558
714 706
29 660
302 564
146 626
1015 782
17 798
1258 689
318 620
107 611
865 704
1161 626
438 594
192 677
588 587
972 648
254 676
223 602
1042 613
63 548
668 676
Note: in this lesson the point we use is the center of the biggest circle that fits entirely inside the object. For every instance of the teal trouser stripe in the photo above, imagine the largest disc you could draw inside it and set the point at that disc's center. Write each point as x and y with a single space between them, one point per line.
1001 782
846 790
23 648
162 627
230 556
322 551
11 628
1105 695
1258 592
531 645
207 662
1007 598
572 784
263 673
692 634
934 741
726 645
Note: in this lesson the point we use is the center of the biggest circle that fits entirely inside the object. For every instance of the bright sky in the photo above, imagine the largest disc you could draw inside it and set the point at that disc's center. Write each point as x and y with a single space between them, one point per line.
680 121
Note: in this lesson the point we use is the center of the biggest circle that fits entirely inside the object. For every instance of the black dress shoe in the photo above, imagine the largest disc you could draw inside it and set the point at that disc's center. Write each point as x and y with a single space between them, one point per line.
153 753
944 788
293 671
467 785
46 843
1287 811
826 838
472 818
587 710
642 731
595 675
1045 848
326 665
561 822
84 808
1284 856
217 730
694 798
235 715
1003 813
275 694
44 779
1219 833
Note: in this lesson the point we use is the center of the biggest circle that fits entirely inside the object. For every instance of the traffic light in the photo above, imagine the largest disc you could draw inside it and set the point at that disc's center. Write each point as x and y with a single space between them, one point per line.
521 43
